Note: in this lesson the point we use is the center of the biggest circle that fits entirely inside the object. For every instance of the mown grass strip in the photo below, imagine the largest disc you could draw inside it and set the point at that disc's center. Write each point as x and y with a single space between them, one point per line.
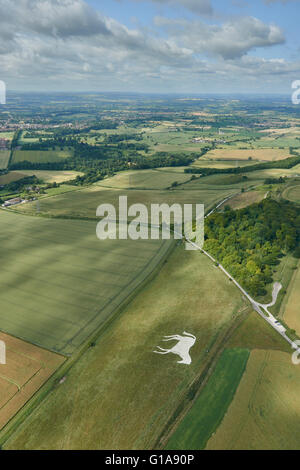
209 409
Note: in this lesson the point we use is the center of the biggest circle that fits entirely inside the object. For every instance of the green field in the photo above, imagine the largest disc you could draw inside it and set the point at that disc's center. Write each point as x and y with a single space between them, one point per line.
49 176
255 333
208 410
278 172
4 159
165 138
293 193
204 162
280 142
40 156
10 177
120 395
145 179
83 203
283 273
59 283
264 414
291 307
221 182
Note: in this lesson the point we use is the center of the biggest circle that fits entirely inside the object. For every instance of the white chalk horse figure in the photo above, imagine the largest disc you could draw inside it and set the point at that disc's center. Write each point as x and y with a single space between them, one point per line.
182 348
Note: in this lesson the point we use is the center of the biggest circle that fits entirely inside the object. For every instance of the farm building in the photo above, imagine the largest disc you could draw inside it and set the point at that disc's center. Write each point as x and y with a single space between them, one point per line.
12 202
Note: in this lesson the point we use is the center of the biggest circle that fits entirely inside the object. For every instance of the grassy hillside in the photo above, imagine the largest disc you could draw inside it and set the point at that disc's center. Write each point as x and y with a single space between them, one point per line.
130 391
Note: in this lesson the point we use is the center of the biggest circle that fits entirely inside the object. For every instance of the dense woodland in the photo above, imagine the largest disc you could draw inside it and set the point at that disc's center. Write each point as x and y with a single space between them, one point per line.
249 242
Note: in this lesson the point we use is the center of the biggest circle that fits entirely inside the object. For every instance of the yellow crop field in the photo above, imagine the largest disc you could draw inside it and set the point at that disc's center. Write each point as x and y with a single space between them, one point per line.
27 368
265 412
268 154
245 199
50 176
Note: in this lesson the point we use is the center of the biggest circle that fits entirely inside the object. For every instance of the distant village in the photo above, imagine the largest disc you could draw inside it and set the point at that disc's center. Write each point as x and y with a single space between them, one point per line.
8 126
202 140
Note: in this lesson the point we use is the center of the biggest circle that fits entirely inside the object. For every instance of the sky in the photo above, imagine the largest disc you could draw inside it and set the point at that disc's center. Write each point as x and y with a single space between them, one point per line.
156 46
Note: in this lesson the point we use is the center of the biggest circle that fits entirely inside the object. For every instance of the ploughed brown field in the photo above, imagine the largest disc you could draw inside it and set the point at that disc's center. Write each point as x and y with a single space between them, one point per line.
27 368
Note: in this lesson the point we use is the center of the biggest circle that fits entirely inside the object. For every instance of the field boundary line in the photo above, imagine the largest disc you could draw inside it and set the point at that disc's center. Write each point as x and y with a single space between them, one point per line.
10 381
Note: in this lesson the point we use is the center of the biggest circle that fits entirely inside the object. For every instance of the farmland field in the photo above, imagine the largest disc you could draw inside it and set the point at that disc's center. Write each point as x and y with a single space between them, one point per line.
145 179
256 333
268 154
283 273
131 392
17 383
245 199
59 282
282 141
4 159
277 172
40 156
83 203
209 408
292 310
49 176
221 181
280 131
10 177
203 162
265 412
293 193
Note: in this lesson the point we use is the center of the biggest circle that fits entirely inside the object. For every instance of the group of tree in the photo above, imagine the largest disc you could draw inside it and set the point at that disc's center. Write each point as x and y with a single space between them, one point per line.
116 138
21 184
280 180
249 242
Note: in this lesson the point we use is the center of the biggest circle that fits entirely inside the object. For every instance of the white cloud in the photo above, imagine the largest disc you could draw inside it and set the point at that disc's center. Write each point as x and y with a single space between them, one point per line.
230 40
65 44
61 18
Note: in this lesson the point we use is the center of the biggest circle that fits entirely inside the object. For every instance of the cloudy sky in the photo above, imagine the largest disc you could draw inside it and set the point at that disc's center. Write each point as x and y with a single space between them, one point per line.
179 46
